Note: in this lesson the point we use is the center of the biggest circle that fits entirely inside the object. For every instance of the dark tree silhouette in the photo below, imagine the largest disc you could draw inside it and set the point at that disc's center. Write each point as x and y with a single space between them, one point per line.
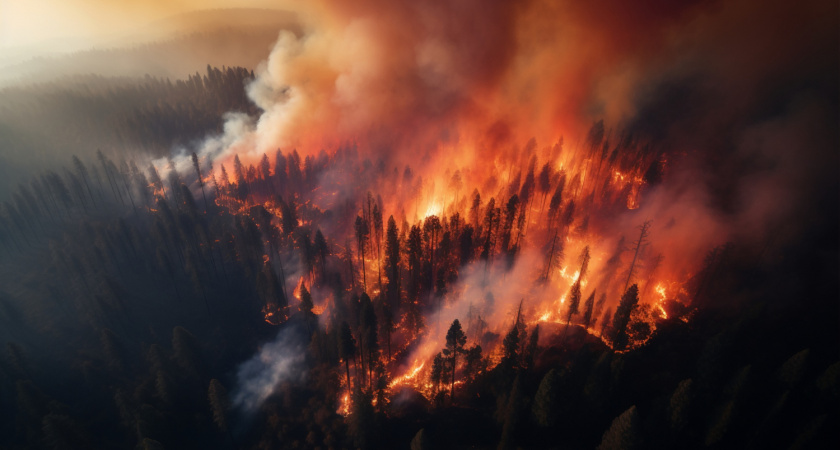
455 341
622 317
644 232
587 311
347 344
362 233
546 407
624 433
197 168
219 404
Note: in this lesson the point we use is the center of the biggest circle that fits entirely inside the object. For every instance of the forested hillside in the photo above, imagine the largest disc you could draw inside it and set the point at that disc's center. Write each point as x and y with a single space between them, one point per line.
83 114
146 293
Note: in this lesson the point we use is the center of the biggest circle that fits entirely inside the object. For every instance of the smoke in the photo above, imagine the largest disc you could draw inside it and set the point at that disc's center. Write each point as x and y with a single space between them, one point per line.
455 83
734 93
276 362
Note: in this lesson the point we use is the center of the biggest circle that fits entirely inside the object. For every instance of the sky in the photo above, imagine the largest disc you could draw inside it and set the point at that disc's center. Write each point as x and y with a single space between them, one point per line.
24 23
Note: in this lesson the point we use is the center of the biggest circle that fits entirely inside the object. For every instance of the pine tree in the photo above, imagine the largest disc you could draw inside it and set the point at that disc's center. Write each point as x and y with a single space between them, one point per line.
556 200
514 408
415 254
531 349
511 210
347 345
420 441
361 421
197 168
219 404
623 433
455 341
436 374
321 251
376 217
546 408
679 408
392 264
644 232
587 310
574 303
510 349
575 295
544 185
605 322
305 307
306 304
370 333
474 363
622 317
475 211
362 231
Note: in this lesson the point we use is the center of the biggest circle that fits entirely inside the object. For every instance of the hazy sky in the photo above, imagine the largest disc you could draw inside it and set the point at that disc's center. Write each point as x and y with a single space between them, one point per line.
34 22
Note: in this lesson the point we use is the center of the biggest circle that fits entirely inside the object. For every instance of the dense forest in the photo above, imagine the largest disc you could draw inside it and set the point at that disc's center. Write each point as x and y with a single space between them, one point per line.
228 307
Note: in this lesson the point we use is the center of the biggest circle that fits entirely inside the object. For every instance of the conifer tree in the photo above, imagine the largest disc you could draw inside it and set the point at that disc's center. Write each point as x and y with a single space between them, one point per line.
546 407
392 264
623 433
644 232
347 345
455 341
587 310
622 317
219 404
362 231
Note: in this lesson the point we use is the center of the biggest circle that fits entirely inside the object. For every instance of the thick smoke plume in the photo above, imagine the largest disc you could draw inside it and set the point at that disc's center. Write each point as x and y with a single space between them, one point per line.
439 84
711 88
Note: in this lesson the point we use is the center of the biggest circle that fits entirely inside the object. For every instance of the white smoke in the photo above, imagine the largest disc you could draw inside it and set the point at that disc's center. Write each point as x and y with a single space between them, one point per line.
276 362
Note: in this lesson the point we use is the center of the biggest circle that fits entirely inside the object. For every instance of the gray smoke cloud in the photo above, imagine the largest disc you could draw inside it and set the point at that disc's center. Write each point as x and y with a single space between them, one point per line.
276 362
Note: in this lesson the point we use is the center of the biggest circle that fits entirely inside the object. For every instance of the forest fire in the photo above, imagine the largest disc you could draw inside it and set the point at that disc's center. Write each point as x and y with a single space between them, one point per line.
483 223
435 224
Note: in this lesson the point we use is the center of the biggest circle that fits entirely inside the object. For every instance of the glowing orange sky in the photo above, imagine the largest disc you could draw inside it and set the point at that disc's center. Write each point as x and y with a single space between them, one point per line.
31 22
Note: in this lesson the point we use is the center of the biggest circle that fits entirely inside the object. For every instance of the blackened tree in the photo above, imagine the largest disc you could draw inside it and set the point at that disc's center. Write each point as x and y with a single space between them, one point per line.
392 264
362 232
347 345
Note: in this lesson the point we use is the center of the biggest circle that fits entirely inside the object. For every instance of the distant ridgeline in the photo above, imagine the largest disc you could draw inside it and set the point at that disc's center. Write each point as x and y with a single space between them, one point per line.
41 124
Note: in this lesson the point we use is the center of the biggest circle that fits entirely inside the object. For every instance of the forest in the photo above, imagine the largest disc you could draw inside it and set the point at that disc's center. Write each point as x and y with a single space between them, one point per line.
190 304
